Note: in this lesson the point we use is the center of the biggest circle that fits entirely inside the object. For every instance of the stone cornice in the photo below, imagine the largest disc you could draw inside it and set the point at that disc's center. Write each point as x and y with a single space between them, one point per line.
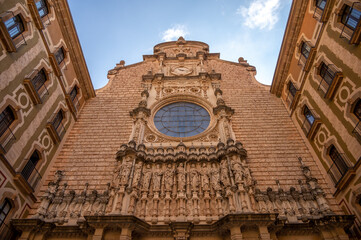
292 32
76 54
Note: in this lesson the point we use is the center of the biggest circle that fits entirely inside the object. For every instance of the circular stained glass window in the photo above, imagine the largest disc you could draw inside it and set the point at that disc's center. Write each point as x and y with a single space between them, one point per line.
181 119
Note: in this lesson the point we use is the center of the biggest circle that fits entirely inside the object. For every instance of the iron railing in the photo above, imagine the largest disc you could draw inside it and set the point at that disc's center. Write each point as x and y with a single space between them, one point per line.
341 164
31 174
357 131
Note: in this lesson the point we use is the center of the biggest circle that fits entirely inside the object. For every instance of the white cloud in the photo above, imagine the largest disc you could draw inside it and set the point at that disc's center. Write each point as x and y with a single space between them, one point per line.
260 13
174 33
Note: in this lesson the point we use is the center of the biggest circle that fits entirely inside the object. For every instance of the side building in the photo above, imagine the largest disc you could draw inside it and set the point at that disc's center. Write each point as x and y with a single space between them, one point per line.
318 77
44 83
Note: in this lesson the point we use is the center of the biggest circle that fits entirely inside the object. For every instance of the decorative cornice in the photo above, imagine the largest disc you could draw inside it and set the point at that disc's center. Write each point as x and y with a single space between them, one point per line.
76 54
292 32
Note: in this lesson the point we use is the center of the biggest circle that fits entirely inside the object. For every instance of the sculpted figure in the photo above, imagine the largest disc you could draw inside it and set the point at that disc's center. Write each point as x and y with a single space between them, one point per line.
46 199
214 176
78 203
147 173
181 177
168 177
224 174
65 205
204 177
126 167
194 177
238 172
157 177
58 199
89 201
137 174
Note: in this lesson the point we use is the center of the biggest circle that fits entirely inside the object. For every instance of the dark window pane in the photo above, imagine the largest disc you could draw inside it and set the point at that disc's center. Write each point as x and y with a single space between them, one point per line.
357 109
39 80
292 89
30 165
7 117
350 17
321 4
310 118
42 8
326 73
182 119
338 160
4 210
59 55
305 50
14 26
73 93
58 119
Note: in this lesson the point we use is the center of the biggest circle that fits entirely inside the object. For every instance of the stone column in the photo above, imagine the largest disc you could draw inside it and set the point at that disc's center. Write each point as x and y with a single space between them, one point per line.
263 233
236 233
98 234
126 234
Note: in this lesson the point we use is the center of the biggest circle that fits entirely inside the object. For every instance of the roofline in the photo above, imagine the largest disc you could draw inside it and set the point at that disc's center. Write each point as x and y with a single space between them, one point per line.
292 31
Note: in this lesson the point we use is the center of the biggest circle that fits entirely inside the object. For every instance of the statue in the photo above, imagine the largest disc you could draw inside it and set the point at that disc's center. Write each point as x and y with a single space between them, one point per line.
147 173
214 176
137 174
194 177
168 177
224 173
157 177
204 177
181 178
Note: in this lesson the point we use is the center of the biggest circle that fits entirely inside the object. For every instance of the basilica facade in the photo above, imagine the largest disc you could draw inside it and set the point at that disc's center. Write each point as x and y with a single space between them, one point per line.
184 145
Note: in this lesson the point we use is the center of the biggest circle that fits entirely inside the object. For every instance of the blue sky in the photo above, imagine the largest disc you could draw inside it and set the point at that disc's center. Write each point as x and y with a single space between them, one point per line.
114 30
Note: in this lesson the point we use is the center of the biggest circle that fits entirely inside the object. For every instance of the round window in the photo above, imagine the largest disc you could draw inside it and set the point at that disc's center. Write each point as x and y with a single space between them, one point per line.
181 119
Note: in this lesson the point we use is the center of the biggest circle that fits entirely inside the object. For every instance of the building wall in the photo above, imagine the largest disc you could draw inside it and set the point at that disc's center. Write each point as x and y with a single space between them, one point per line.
29 130
336 121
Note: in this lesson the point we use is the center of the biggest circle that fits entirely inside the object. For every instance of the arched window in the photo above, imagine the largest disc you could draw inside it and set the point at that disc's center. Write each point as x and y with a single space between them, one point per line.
308 115
350 17
74 97
339 165
14 26
38 83
59 55
30 165
321 4
357 109
7 117
305 49
42 8
5 208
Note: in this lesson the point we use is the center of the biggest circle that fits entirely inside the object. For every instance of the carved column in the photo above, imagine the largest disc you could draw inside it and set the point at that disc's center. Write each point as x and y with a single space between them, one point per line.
236 233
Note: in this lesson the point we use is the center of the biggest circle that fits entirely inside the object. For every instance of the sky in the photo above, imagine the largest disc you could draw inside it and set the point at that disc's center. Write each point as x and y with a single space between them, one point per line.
114 30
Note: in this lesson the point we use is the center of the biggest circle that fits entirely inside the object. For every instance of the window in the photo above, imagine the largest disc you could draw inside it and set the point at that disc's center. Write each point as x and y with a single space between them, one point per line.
292 89
5 208
42 8
350 17
38 82
73 93
181 119
321 4
326 73
305 49
14 26
30 165
308 115
357 109
339 166
7 117
59 55
58 124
